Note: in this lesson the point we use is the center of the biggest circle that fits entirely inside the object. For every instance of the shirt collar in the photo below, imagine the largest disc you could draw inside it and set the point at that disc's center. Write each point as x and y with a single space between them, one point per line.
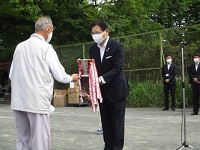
104 45
38 36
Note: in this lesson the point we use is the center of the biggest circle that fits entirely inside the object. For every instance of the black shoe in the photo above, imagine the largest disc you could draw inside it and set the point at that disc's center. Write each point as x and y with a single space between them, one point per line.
194 113
173 108
165 109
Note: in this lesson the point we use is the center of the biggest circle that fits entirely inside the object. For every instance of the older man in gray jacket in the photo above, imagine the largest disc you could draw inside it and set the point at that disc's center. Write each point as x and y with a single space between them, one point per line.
35 65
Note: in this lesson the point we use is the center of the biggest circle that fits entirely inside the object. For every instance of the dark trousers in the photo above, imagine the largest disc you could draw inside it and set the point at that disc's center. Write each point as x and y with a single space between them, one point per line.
172 89
195 97
113 118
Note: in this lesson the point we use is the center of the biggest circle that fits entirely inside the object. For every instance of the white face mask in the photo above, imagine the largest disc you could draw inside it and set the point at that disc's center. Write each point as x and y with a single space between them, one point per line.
49 37
168 60
98 38
196 60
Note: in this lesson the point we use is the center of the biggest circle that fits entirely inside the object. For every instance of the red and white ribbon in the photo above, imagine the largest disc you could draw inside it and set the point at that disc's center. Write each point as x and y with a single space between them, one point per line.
94 87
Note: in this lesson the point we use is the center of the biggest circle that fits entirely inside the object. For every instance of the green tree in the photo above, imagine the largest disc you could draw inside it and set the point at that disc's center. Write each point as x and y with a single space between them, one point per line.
72 18
176 13
128 17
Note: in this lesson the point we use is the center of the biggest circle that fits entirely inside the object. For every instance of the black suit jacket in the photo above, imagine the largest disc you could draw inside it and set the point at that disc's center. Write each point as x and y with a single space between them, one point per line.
112 70
193 73
172 73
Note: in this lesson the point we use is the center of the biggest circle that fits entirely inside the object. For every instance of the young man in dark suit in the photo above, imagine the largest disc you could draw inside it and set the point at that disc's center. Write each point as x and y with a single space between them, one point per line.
109 58
169 71
194 76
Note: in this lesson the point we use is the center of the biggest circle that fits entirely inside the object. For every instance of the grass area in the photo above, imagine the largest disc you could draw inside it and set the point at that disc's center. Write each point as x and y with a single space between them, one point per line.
151 94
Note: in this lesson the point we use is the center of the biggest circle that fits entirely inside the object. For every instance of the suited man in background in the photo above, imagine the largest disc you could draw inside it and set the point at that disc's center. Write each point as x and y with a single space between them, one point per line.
109 58
194 76
169 71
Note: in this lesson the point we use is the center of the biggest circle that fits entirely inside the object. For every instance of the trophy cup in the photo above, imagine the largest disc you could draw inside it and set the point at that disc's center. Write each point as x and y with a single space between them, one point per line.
83 66
84 72
89 82
89 85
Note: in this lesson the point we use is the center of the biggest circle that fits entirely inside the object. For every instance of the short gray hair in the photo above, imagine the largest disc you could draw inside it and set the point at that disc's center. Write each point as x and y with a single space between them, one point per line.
42 23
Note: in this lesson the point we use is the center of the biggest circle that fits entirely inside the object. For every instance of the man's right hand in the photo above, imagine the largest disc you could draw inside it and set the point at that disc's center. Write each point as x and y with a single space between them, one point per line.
75 77
167 80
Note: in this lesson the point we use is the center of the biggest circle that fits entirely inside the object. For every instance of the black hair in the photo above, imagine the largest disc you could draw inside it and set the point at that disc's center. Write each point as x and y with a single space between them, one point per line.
196 54
101 23
168 55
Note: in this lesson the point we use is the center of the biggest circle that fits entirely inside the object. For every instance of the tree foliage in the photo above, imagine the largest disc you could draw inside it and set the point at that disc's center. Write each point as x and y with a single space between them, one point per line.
72 18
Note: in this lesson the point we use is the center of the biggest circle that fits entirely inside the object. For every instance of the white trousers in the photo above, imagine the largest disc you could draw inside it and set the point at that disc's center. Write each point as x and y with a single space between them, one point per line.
33 131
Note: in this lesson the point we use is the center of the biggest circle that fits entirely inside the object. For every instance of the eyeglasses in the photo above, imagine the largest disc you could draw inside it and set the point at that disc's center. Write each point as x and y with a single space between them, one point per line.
97 32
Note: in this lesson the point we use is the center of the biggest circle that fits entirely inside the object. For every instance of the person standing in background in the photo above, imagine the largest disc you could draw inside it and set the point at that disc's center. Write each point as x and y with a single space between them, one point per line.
194 80
35 65
109 58
169 71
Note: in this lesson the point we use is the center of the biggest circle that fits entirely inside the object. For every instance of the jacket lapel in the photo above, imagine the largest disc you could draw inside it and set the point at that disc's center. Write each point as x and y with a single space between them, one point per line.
97 58
197 68
107 51
166 68
170 67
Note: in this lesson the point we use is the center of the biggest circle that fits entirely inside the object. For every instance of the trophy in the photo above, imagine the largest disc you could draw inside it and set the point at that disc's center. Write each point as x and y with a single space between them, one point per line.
84 72
89 82
84 66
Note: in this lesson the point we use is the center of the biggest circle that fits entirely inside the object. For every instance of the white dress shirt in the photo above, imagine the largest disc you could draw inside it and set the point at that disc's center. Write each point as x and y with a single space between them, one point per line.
102 48
102 51
196 66
168 65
